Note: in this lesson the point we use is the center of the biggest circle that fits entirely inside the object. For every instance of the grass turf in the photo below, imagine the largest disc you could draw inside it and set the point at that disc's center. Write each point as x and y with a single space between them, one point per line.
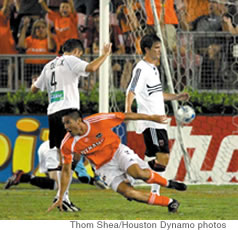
199 202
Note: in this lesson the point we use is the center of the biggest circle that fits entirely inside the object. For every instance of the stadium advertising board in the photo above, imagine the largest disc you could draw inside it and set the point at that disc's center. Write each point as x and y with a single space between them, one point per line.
211 142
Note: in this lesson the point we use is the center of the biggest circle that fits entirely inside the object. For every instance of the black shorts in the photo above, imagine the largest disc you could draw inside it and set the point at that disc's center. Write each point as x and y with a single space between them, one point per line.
156 141
56 128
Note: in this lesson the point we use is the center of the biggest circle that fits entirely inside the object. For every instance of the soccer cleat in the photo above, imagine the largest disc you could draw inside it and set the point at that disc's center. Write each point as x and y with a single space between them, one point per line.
177 185
14 179
99 183
74 207
68 207
173 206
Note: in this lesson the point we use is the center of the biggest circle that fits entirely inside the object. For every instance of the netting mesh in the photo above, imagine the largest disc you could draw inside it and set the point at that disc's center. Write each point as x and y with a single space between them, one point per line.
203 57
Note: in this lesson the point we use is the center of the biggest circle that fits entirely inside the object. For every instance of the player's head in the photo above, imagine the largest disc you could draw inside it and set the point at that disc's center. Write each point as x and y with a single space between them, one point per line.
65 8
72 45
148 41
73 122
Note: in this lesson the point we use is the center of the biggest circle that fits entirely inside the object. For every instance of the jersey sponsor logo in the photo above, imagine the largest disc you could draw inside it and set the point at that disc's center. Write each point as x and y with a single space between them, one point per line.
154 88
56 96
92 146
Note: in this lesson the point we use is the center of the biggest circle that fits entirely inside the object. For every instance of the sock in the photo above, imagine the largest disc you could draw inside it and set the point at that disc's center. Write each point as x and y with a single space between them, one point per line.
155 199
155 178
43 182
25 178
66 194
155 188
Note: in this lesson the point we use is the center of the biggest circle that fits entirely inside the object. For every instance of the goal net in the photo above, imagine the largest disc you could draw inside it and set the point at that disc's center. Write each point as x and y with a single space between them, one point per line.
200 62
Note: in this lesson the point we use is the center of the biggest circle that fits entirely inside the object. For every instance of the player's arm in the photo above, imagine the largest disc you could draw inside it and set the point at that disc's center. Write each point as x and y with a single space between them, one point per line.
95 64
129 100
22 37
34 89
172 96
140 116
44 5
65 177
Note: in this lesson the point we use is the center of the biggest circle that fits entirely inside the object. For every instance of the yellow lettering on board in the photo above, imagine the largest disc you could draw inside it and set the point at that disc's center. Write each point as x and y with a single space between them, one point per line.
24 149
44 134
5 150
23 154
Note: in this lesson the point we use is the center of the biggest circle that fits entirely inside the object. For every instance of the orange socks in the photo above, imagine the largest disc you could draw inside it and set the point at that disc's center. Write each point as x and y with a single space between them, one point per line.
155 178
155 199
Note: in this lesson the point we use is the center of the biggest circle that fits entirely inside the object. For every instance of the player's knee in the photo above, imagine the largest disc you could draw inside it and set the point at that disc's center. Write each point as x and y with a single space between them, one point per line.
137 173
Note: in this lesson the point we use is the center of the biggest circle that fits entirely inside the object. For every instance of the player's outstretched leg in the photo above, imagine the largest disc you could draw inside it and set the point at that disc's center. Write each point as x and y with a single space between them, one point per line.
155 178
150 198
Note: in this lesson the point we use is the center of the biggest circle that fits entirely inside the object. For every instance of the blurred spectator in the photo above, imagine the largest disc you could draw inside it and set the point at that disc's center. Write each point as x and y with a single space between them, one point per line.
131 21
229 63
30 8
209 46
189 10
7 43
92 35
168 20
65 21
86 6
41 41
230 18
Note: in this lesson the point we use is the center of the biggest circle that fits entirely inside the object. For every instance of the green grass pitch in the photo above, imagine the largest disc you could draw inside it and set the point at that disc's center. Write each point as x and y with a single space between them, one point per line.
199 202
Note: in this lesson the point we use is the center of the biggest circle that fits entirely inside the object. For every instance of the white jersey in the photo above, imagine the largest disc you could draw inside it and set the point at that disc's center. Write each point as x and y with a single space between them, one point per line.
147 87
48 158
60 78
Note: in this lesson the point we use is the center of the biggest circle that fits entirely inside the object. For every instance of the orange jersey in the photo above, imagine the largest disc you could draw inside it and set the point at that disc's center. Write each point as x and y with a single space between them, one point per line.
36 46
65 27
195 9
99 143
7 44
170 16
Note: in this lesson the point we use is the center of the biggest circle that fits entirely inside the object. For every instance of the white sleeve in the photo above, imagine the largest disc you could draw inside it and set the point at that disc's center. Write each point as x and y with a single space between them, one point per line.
78 66
40 82
136 81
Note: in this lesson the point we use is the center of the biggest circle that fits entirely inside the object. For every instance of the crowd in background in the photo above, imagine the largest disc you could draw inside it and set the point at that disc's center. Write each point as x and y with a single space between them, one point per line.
42 26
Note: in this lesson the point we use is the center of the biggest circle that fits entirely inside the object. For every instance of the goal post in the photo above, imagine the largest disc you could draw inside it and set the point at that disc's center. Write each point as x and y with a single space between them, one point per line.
104 69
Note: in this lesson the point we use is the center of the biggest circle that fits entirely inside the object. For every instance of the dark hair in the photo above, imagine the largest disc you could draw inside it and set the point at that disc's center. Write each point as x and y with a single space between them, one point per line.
147 41
72 44
73 113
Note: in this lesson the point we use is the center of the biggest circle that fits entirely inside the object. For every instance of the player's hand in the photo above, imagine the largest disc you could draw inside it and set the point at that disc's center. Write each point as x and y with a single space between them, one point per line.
183 96
160 119
58 203
107 48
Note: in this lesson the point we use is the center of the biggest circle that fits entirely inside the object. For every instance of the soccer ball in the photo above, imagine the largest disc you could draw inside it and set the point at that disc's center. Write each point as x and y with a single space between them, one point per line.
185 114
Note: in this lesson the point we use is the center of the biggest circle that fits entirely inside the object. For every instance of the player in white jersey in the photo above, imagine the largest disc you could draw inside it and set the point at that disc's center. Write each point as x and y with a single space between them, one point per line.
60 78
146 88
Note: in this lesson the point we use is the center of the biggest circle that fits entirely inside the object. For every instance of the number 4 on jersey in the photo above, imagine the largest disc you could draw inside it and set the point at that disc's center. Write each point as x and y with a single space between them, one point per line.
53 82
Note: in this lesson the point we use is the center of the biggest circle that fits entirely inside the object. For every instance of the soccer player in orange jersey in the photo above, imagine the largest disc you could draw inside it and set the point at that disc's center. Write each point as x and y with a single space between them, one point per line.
114 162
